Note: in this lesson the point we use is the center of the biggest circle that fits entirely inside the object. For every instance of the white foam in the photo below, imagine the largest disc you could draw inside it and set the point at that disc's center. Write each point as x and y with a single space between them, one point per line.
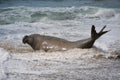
3 57
105 13
71 63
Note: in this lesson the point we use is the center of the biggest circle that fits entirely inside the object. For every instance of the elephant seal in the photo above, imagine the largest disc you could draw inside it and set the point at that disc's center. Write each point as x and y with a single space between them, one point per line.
49 43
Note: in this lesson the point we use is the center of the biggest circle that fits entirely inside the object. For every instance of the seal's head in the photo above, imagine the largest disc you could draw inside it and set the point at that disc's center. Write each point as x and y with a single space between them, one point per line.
27 39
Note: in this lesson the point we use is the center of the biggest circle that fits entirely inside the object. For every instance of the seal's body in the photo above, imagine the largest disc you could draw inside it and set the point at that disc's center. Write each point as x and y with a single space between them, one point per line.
37 42
49 43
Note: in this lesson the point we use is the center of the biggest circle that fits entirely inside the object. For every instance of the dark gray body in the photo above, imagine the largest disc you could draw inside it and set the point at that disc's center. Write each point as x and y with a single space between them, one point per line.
49 43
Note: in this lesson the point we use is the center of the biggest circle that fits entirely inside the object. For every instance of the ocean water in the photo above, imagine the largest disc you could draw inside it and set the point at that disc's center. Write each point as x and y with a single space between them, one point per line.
67 19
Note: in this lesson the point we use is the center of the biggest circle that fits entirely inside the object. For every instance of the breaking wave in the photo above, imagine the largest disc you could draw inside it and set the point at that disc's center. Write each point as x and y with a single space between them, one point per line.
28 14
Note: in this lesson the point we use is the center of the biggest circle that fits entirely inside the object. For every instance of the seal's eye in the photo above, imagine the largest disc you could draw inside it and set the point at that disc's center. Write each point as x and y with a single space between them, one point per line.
25 39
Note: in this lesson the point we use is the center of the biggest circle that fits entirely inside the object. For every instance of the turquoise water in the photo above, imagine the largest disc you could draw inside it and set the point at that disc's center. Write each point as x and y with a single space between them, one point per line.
61 3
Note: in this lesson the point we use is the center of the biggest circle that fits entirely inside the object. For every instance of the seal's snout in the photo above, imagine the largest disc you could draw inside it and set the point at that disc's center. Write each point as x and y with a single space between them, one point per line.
25 39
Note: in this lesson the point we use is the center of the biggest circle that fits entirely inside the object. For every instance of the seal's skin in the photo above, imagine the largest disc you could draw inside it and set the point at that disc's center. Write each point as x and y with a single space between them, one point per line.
49 43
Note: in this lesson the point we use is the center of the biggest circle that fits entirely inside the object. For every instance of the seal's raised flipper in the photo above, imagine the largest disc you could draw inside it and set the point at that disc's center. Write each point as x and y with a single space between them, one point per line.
88 43
95 35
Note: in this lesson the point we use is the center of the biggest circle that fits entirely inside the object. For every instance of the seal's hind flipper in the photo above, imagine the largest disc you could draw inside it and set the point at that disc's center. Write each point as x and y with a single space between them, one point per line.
95 35
93 32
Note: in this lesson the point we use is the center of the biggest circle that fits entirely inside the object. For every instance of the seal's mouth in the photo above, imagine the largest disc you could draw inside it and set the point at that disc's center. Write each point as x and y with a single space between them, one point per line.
25 39
24 42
